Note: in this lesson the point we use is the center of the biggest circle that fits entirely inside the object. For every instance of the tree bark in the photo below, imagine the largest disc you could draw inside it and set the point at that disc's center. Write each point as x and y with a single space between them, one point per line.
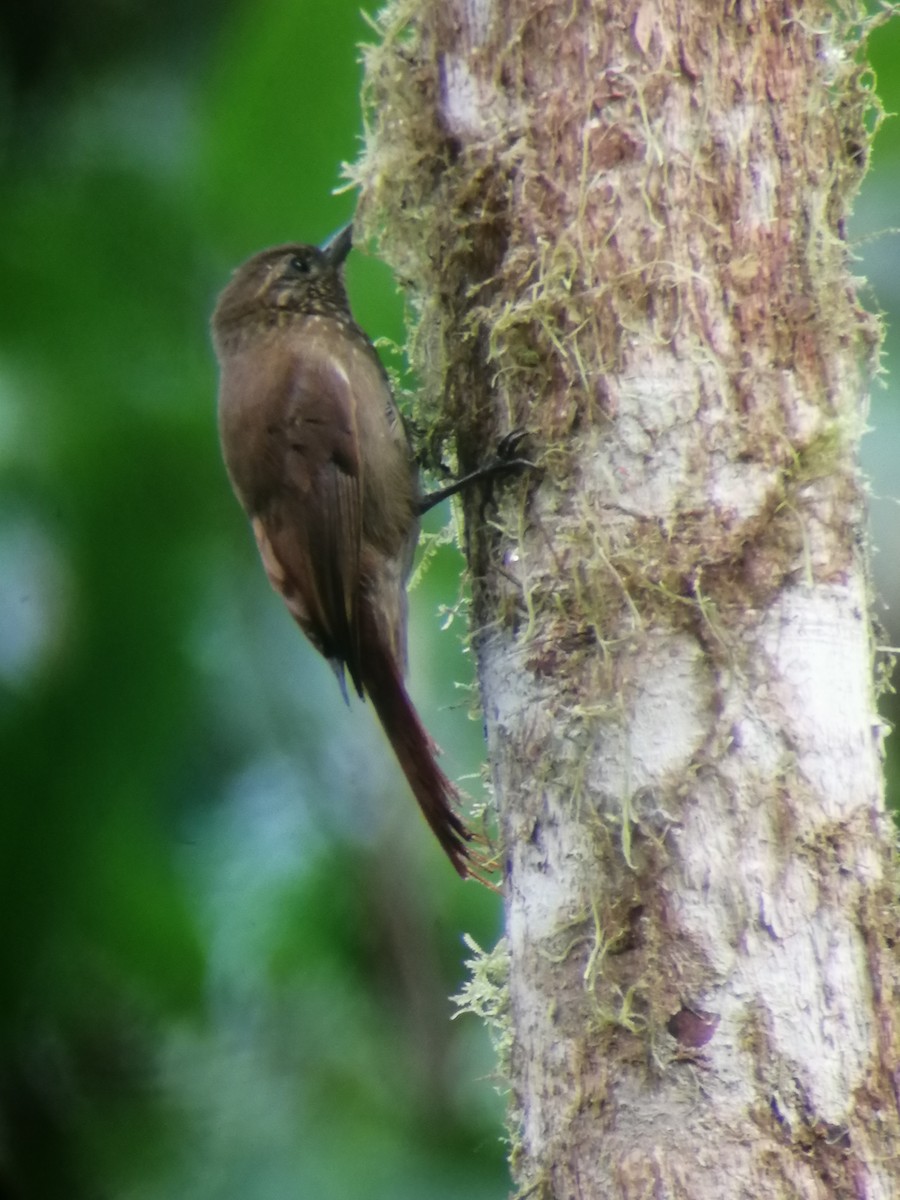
622 227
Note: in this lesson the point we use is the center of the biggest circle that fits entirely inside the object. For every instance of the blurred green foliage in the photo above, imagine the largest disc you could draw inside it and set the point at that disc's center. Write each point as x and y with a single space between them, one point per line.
227 938
875 241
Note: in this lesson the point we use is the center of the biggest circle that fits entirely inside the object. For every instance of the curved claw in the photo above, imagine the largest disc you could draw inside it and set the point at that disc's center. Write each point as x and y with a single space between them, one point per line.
509 444
502 462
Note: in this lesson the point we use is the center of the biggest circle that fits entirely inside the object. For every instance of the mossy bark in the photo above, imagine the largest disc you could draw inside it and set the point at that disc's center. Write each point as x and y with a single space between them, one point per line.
622 227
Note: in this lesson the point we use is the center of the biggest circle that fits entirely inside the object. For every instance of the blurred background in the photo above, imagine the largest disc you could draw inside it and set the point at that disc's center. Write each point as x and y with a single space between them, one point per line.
227 939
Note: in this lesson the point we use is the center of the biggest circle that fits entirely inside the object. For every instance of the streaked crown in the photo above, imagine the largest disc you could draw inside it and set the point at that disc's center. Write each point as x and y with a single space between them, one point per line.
285 280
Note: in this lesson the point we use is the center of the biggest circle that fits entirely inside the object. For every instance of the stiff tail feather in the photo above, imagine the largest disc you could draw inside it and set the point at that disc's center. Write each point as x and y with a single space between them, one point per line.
411 743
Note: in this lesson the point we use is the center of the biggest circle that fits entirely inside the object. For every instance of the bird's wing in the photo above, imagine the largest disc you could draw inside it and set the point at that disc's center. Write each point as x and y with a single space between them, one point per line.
310 528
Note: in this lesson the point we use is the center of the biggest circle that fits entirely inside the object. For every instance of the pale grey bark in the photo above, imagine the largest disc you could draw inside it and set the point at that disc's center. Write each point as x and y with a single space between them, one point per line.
622 226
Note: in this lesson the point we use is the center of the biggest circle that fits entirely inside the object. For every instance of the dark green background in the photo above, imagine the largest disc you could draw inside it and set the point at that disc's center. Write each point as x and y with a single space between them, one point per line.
227 940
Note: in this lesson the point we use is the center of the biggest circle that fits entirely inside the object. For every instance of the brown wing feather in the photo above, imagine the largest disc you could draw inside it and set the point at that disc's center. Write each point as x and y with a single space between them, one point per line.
312 515
334 555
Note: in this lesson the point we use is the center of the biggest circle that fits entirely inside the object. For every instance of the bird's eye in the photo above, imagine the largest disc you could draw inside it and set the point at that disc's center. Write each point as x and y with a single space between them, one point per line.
300 264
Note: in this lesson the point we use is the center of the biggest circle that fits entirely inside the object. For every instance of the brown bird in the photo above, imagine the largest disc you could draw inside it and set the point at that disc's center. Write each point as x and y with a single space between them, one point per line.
319 457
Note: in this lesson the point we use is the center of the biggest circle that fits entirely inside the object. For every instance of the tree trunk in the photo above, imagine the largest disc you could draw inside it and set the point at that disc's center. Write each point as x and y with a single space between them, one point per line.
622 227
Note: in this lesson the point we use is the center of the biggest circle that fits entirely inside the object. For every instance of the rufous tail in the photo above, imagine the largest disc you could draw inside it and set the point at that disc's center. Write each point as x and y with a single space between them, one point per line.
415 752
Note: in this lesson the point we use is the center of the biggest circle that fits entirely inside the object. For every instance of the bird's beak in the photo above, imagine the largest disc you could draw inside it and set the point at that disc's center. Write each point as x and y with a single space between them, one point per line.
338 246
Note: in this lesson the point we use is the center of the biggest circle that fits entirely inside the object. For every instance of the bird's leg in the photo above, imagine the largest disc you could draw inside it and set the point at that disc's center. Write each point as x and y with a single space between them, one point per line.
502 462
